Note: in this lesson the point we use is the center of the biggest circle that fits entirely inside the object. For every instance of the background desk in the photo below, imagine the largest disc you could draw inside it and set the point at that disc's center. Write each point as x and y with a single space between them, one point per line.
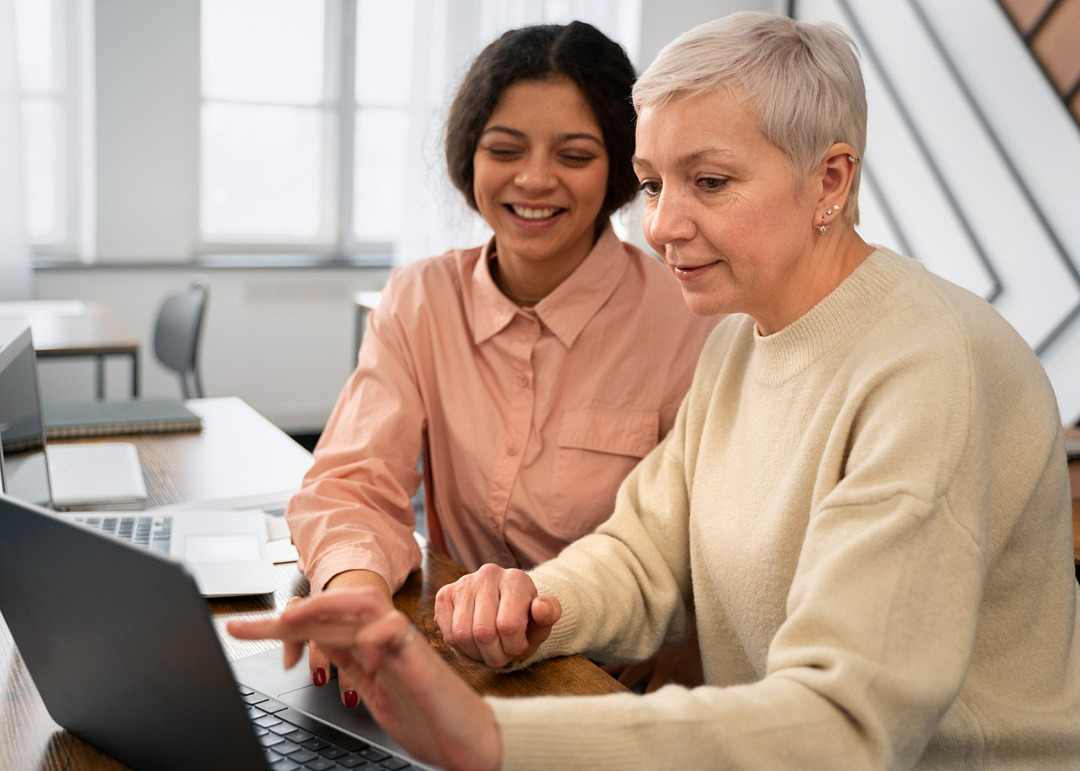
237 452
74 328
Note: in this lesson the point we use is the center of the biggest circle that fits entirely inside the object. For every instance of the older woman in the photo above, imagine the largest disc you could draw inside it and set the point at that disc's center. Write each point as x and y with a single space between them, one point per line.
863 508
533 373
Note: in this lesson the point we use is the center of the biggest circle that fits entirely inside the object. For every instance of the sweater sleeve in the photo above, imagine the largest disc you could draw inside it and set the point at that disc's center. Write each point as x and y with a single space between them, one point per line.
354 507
625 589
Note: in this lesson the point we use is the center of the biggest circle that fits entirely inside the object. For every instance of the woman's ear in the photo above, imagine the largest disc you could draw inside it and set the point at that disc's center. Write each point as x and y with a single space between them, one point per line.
838 173
835 176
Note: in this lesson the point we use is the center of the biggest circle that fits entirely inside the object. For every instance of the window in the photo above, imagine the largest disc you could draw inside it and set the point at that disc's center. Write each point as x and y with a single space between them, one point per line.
48 48
321 119
290 109
384 58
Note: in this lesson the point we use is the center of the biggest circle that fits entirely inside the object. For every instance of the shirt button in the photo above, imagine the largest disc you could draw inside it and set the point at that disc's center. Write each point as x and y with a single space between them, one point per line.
511 449
523 380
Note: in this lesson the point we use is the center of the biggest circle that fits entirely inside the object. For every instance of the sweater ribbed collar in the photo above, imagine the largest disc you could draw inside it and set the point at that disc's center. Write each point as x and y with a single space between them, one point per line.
834 319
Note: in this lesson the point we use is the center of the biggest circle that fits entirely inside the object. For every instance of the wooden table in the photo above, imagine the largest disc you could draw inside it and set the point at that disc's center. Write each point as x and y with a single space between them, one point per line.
67 328
195 466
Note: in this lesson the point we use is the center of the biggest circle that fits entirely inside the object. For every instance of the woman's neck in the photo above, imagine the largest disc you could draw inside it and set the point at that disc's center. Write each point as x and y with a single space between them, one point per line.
527 282
523 301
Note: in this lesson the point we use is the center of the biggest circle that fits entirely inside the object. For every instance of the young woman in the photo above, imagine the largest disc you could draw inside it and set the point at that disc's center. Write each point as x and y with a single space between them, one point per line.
531 373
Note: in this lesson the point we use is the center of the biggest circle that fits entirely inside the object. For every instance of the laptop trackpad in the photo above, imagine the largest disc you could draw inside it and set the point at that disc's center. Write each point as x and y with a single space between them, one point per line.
324 703
222 548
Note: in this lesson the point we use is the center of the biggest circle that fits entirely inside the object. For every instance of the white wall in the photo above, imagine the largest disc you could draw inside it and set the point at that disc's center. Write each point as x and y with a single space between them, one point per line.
147 94
662 21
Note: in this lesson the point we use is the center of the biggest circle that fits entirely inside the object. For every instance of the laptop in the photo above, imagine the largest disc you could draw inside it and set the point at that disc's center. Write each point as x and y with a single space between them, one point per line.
79 476
123 652
226 550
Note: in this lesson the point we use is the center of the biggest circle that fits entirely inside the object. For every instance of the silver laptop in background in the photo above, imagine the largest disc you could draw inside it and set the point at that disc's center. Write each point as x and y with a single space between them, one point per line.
77 476
226 550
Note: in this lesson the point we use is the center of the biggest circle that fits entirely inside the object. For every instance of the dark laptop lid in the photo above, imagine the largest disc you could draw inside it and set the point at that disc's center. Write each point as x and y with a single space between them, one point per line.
120 646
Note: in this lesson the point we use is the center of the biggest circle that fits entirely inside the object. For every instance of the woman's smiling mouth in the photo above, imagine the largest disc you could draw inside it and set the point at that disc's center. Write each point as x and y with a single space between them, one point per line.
532 213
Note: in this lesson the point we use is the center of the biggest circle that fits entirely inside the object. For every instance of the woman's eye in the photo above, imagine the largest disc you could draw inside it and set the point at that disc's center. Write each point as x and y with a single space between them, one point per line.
712 183
502 153
577 159
649 188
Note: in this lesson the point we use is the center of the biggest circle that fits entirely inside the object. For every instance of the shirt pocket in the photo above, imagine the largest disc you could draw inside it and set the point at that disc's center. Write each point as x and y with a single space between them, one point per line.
596 450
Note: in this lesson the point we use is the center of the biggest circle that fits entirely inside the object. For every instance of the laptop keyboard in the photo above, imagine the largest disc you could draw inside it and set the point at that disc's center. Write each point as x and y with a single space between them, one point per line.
150 532
294 742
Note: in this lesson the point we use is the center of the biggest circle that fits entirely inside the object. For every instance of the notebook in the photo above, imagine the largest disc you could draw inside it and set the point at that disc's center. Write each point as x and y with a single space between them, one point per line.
67 420
225 549
122 650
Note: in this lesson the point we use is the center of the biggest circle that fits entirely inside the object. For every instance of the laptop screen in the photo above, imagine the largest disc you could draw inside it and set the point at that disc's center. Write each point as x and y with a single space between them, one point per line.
24 471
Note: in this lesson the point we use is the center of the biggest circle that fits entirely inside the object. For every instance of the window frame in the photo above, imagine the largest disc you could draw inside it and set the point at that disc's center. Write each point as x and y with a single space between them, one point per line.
337 173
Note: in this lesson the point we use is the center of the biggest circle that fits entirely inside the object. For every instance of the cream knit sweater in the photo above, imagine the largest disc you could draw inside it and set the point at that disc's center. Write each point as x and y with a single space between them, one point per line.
866 516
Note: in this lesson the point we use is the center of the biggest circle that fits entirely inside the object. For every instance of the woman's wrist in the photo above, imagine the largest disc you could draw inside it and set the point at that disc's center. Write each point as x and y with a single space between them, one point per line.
353 579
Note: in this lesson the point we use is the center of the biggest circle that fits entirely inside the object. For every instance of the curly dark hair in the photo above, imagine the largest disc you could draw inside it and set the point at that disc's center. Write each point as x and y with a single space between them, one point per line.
579 52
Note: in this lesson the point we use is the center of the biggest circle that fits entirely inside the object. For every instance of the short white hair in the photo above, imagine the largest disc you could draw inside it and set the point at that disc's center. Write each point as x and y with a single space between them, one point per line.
802 80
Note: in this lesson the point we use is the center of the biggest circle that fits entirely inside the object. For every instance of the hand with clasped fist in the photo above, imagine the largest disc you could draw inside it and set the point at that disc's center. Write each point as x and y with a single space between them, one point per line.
495 615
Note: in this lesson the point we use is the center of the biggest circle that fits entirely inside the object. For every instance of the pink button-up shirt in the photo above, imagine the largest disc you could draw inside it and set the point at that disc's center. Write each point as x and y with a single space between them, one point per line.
528 419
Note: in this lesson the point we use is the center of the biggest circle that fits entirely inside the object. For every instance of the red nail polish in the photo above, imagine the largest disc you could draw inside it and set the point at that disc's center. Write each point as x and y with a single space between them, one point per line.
351 699
319 676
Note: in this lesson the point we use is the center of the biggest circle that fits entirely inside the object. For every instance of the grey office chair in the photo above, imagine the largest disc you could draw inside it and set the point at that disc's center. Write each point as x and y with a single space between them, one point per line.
176 334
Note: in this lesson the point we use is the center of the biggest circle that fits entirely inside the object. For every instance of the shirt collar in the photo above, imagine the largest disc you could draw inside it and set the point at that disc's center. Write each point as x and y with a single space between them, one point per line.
568 308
